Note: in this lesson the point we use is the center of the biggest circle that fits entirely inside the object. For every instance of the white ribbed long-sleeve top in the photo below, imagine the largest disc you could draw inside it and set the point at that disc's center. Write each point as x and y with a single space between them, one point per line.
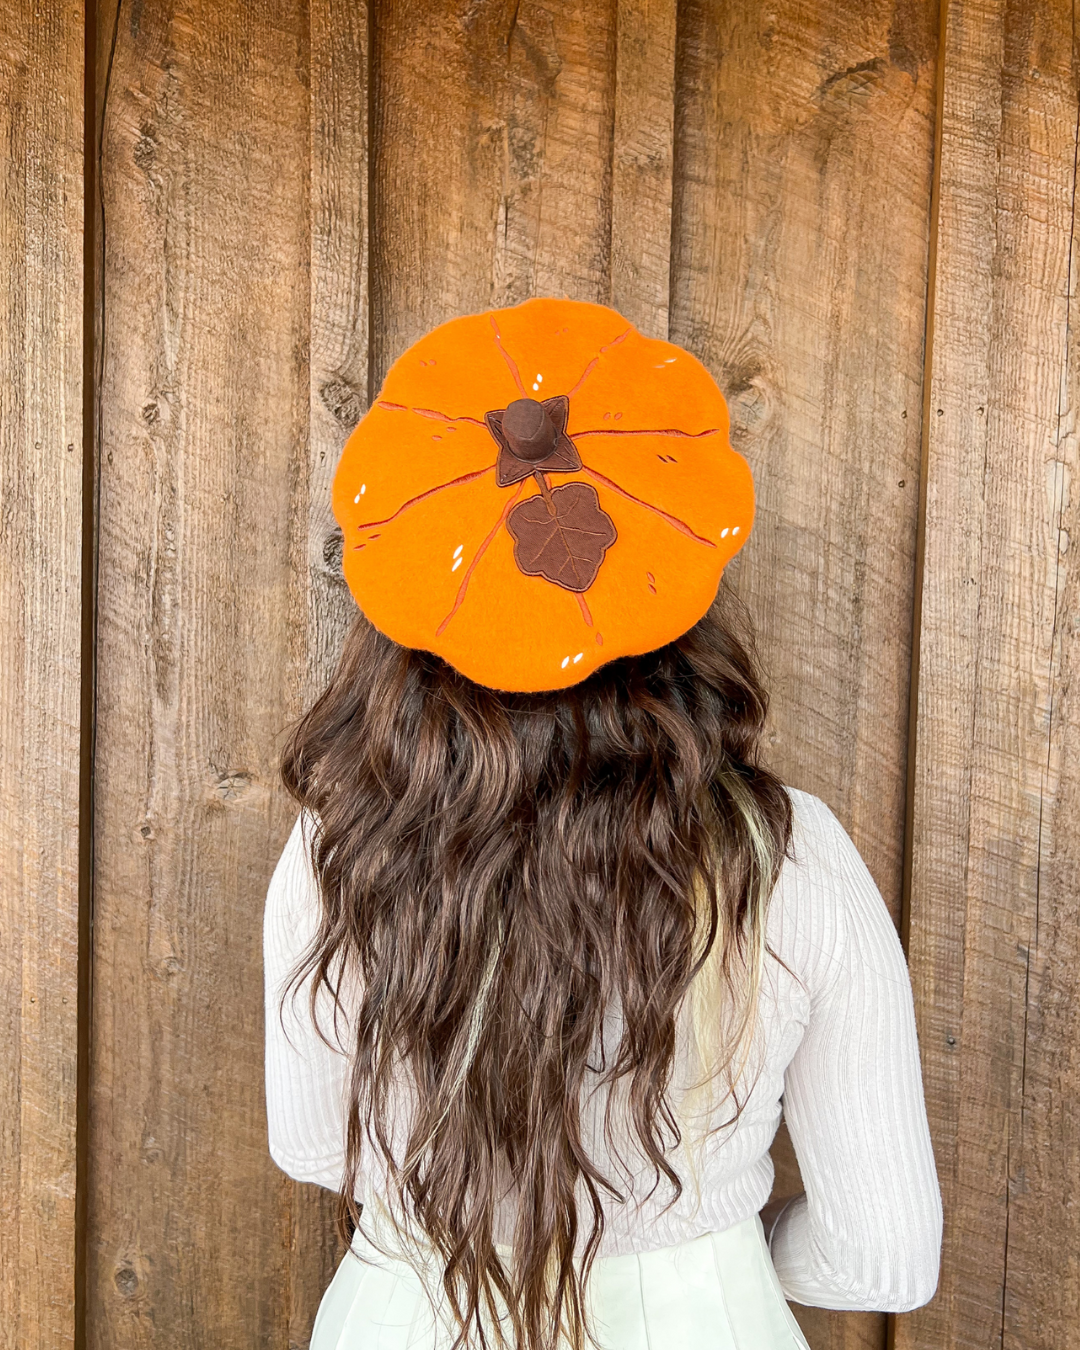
836 1051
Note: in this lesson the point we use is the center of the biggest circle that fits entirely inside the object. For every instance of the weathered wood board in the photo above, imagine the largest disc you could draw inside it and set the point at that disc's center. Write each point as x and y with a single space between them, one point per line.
996 859
642 159
41 533
207 534
799 277
339 355
496 185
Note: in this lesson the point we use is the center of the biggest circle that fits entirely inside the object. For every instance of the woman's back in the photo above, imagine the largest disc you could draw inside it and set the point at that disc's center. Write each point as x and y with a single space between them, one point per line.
834 1040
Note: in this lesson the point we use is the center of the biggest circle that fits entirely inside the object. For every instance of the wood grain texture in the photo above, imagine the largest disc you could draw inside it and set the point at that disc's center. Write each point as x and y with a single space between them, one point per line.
491 172
759 180
339 303
41 467
993 934
799 277
642 152
195 1237
338 397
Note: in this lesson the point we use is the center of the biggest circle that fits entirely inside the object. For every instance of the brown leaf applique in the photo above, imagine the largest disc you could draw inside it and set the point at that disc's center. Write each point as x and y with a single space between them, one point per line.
565 542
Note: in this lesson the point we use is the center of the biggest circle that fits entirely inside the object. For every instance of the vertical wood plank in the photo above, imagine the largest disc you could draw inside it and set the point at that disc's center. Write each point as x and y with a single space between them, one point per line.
491 143
537 160
642 152
204 640
803 167
339 302
993 941
41 467
1041 1307
338 397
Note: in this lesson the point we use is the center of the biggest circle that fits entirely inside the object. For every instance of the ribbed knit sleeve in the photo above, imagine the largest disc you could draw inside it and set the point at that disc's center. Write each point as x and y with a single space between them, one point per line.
868 1232
305 1077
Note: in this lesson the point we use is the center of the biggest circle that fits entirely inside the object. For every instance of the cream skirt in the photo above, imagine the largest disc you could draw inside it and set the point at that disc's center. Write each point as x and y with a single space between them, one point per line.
718 1292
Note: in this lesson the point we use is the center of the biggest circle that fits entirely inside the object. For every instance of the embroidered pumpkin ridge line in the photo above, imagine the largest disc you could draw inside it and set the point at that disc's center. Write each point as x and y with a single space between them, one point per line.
516 372
511 363
442 417
673 521
573 435
593 363
459 600
439 487
645 431
429 412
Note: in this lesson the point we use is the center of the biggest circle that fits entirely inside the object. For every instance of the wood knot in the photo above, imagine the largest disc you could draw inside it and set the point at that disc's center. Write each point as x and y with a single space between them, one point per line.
343 401
126 1281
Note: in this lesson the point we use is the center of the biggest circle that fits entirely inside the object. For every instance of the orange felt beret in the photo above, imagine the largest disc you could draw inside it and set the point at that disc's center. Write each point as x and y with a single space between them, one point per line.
539 490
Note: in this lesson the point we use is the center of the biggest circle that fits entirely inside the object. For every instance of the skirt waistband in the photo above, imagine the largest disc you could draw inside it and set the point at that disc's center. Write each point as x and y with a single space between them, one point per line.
718 1290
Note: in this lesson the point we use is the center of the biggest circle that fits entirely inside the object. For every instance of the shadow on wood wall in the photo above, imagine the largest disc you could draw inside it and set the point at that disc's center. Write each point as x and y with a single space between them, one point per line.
859 215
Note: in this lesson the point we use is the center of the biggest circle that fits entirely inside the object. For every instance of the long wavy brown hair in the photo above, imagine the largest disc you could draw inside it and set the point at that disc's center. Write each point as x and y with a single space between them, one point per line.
496 869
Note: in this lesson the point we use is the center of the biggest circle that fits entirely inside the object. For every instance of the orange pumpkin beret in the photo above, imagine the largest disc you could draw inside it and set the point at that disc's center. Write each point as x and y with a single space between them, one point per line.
539 490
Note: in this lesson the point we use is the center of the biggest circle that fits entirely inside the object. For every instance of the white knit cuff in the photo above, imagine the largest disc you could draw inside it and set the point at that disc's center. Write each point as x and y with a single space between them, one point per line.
776 1222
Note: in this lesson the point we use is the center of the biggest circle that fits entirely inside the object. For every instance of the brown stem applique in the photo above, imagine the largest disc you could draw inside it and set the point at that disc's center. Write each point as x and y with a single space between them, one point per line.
563 534
532 437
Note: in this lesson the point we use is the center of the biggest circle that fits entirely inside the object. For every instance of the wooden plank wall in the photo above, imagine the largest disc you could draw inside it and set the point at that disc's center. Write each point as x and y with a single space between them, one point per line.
290 195
41 510
996 859
716 173
206 583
